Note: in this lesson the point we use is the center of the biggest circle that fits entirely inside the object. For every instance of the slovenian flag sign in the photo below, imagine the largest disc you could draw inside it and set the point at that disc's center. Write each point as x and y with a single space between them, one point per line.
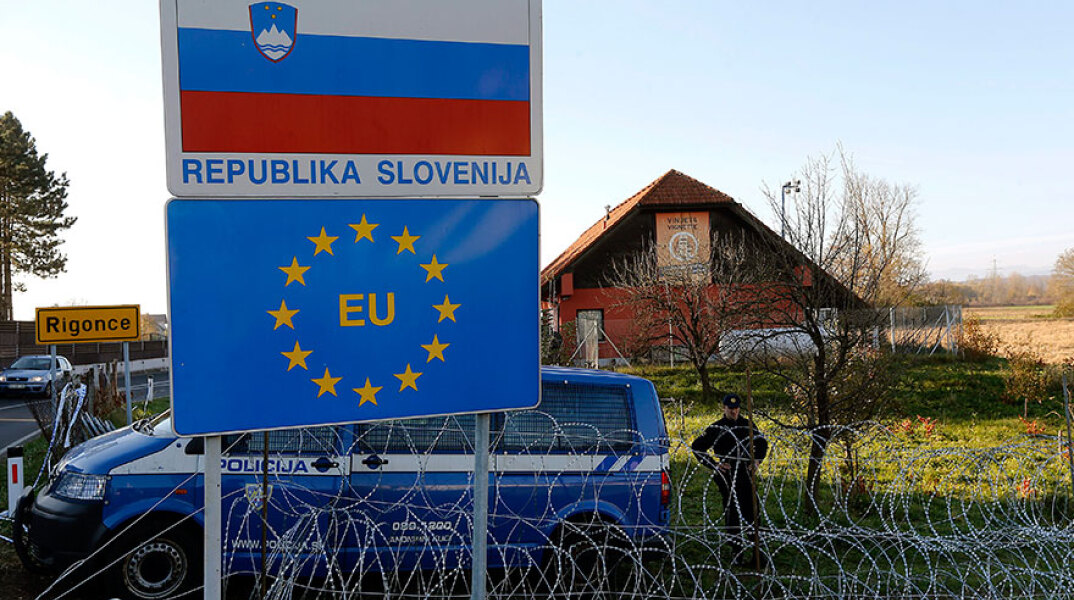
414 77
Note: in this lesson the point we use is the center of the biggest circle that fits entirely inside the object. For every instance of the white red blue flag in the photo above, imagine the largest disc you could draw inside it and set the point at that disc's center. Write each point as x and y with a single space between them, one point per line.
421 78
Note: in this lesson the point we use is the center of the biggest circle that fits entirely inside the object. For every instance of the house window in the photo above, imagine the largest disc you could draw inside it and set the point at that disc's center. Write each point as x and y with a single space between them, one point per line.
591 325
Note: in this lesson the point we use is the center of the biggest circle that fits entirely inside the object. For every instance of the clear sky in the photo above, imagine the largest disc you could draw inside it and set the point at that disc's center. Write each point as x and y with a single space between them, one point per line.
971 102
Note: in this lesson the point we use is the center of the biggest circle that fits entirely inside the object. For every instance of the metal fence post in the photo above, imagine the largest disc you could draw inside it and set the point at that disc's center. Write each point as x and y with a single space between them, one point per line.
1070 441
891 313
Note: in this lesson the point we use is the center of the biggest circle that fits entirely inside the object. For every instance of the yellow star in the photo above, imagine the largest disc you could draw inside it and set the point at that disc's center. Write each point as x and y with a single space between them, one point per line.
324 242
297 357
406 241
283 315
435 349
447 309
435 269
368 393
294 272
409 379
363 229
327 383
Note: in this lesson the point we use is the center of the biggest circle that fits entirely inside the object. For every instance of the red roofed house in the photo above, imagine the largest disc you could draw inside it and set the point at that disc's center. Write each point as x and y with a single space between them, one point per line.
675 211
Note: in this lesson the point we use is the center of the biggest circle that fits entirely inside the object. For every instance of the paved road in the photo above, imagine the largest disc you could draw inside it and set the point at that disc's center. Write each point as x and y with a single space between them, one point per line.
17 422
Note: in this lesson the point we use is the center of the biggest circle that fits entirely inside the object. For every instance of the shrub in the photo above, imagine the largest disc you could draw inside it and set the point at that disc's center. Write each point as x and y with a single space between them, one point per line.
1064 308
1025 378
976 341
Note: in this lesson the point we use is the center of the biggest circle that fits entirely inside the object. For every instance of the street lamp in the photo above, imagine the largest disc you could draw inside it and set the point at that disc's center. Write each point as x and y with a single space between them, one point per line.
795 186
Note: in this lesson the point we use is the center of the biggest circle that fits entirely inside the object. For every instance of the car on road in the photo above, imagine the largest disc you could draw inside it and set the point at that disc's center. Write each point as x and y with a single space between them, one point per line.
33 375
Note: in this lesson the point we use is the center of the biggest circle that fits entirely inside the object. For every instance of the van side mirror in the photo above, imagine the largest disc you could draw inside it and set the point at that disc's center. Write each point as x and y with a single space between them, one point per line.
195 446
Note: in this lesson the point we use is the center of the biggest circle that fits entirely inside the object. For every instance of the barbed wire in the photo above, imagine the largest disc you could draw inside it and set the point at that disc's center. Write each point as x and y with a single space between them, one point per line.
897 516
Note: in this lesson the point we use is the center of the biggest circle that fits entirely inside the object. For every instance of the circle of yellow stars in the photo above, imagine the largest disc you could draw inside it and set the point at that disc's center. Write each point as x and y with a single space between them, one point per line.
296 272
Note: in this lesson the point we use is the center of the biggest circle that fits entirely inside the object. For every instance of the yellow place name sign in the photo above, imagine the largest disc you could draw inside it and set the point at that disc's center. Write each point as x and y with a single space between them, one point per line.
78 324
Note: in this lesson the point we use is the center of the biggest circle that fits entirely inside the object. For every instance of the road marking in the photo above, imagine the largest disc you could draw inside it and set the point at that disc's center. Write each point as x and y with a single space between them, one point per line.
17 421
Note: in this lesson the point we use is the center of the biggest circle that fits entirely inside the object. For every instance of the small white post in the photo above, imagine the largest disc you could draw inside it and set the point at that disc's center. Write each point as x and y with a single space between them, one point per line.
14 478
213 519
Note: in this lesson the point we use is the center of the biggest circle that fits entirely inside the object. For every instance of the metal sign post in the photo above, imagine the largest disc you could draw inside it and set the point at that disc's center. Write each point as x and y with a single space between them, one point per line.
52 375
479 547
127 377
213 519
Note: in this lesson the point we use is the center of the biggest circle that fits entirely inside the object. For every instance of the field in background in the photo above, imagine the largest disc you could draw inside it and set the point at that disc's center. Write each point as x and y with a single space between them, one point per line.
1028 328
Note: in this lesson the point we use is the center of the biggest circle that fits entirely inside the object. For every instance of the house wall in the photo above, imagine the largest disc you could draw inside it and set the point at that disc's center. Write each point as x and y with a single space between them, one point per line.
619 322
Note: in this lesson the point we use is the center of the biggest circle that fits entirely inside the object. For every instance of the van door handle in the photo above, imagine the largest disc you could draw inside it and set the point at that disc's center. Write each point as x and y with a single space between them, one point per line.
373 461
322 464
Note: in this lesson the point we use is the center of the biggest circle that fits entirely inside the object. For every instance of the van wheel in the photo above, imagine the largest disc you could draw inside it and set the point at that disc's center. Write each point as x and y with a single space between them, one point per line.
590 562
159 563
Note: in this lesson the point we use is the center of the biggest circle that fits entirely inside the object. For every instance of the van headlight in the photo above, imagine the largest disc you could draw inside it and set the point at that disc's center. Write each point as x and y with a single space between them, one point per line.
80 486
37 378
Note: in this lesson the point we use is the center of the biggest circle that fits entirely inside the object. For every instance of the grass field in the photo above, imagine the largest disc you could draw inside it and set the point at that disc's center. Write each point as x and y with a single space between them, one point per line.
1028 328
1010 313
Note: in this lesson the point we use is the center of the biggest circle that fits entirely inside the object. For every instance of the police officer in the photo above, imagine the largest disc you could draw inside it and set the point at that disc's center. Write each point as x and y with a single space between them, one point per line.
729 441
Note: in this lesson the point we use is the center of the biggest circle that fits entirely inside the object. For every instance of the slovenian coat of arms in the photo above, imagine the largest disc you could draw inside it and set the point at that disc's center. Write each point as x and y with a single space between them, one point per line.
273 26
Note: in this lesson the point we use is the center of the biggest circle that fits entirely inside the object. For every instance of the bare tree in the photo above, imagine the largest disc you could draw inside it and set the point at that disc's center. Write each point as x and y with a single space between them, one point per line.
851 248
886 229
697 305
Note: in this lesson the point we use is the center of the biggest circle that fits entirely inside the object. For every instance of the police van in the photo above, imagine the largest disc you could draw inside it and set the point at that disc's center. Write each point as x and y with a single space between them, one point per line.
585 471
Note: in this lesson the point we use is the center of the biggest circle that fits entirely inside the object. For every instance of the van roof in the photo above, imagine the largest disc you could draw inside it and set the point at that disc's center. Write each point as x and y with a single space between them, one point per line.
588 375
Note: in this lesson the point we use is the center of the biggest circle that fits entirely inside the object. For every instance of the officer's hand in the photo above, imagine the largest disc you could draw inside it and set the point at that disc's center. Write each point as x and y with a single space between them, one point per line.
725 467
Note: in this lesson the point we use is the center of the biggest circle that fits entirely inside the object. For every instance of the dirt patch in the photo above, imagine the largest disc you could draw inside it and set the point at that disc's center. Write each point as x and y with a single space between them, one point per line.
15 582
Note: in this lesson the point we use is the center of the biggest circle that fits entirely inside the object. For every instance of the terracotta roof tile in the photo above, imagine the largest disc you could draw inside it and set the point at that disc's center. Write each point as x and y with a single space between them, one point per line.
670 189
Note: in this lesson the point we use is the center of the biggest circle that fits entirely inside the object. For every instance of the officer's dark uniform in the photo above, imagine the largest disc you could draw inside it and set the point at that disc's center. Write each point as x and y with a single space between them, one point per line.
729 441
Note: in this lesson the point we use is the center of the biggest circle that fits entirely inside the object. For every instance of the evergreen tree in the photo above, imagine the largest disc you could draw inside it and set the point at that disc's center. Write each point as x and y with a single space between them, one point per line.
32 202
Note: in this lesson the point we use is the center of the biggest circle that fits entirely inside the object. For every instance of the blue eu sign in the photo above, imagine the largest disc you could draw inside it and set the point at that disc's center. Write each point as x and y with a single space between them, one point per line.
294 313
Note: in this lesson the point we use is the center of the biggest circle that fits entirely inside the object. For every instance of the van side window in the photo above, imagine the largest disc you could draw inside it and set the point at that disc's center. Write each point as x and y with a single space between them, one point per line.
309 440
454 434
572 419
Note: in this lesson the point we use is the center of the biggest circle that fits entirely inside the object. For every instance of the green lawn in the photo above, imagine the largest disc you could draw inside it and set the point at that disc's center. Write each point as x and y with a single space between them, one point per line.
926 506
